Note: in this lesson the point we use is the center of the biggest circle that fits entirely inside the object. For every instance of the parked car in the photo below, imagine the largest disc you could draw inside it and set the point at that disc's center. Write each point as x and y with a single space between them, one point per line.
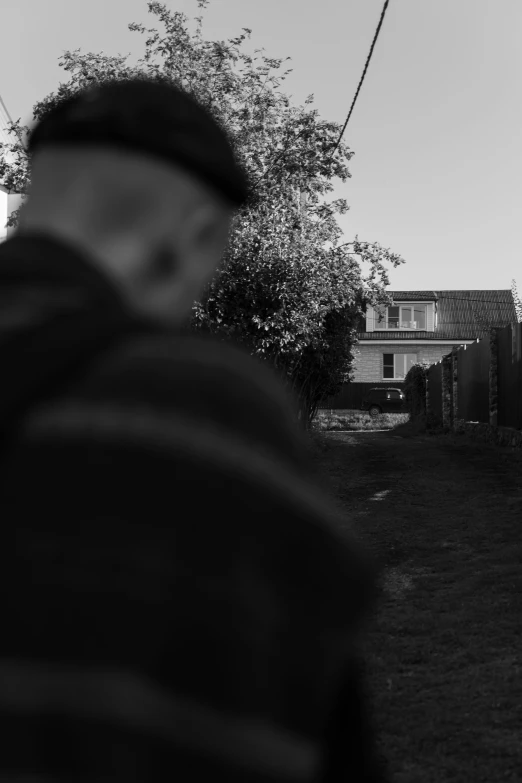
383 400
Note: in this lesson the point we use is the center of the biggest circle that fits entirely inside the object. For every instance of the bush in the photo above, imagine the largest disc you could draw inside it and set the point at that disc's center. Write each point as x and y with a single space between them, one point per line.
356 420
415 389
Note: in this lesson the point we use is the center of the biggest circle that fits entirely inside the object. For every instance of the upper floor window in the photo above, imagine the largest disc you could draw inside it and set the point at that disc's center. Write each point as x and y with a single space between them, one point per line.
410 316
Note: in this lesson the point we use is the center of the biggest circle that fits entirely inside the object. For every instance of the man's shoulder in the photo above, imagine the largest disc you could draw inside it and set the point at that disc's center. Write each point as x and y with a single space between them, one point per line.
197 371
200 379
193 398
222 383
168 352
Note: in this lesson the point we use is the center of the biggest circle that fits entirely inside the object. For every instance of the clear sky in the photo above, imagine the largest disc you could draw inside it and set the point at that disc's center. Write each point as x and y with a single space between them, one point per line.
437 170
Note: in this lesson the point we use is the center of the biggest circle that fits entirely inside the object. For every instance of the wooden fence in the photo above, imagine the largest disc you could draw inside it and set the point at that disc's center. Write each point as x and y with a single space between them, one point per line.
509 377
481 382
473 382
434 390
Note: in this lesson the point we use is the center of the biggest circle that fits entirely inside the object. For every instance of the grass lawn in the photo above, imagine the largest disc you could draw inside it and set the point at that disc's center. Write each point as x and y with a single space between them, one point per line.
443 647
356 420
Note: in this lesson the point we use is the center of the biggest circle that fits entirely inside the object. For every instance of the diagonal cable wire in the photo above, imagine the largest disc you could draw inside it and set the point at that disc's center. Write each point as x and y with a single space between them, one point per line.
363 75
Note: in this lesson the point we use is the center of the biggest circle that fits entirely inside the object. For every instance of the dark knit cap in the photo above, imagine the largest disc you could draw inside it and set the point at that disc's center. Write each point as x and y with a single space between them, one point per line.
152 117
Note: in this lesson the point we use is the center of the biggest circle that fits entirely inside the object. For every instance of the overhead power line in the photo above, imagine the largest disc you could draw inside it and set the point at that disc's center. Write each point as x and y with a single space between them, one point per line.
363 75
4 107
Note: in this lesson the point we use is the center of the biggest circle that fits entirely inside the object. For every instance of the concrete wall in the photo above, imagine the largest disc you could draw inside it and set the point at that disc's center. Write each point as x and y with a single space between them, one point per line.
368 362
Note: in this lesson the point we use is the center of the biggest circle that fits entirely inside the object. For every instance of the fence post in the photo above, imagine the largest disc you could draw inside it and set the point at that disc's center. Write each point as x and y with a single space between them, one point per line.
454 381
447 387
428 405
493 378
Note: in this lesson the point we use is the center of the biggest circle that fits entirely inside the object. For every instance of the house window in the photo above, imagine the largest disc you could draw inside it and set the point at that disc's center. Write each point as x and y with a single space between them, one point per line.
403 317
396 365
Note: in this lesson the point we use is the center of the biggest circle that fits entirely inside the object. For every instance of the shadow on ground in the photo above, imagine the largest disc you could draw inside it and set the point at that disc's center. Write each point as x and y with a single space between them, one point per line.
443 516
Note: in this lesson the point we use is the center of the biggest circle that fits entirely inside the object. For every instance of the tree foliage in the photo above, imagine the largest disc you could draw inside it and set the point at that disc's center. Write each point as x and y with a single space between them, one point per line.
286 288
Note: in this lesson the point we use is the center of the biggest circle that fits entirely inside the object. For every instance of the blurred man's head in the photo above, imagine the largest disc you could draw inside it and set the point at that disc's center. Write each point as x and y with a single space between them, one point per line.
141 178
155 229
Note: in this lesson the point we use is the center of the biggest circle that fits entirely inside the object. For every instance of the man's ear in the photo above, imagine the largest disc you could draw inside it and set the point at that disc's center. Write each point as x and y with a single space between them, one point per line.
196 236
200 226
207 227
163 263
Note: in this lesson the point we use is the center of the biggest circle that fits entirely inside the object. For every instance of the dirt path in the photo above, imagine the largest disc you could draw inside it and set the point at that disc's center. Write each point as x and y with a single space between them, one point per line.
444 517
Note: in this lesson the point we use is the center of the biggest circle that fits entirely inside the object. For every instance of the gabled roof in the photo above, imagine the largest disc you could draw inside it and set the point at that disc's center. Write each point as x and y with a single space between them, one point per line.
461 315
465 313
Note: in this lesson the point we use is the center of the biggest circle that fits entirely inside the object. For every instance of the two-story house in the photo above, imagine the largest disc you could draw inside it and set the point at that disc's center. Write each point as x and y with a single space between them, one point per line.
419 326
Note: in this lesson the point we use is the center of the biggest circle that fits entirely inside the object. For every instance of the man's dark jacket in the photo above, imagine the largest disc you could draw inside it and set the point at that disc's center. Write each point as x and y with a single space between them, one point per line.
179 602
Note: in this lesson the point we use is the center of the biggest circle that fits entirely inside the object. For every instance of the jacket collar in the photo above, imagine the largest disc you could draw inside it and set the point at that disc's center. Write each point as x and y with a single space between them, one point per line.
41 258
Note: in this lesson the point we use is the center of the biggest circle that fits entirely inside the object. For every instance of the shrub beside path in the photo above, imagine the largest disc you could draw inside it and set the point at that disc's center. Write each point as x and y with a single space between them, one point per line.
443 515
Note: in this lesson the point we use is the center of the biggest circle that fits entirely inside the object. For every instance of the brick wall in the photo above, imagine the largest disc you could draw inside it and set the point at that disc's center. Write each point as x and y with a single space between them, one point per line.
368 362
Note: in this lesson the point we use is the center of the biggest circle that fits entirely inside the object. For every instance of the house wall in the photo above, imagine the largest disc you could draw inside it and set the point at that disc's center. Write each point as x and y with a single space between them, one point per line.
4 206
8 203
368 362
14 201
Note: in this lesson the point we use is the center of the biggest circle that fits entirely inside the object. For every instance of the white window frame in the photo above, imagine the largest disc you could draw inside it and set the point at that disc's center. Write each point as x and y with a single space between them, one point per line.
395 356
412 306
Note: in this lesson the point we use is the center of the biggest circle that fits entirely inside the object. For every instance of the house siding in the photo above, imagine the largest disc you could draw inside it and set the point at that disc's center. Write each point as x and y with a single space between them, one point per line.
371 317
368 360
430 317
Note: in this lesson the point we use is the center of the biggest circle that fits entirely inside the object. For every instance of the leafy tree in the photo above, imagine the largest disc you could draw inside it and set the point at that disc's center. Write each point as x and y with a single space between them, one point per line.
517 301
286 287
